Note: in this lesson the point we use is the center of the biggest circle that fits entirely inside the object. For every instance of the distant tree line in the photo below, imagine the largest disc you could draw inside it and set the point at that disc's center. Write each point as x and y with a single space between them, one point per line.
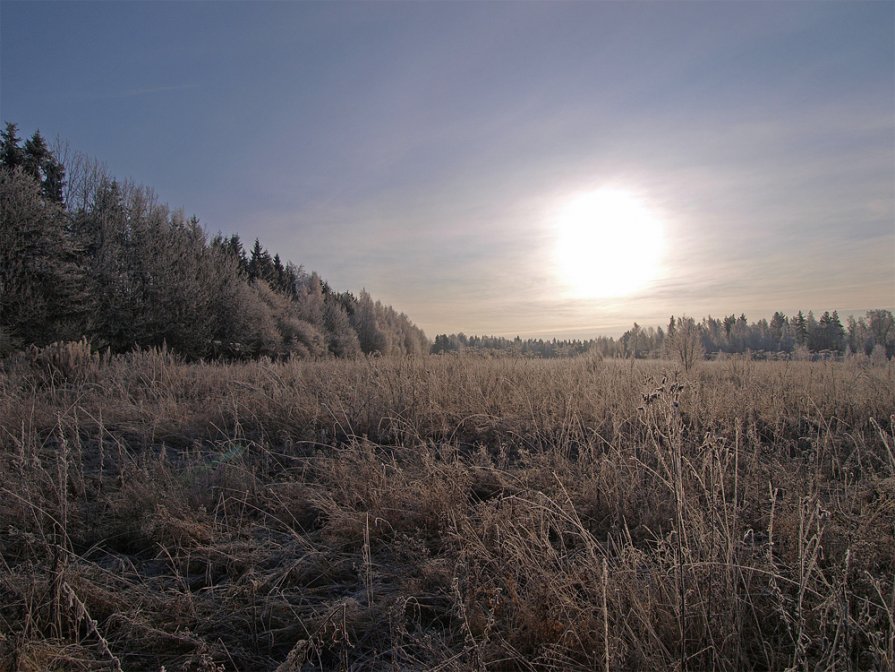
84 254
686 339
530 347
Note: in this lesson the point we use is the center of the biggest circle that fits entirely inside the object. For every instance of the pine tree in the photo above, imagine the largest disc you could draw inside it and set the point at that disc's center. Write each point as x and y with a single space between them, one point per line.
38 161
260 266
778 328
812 333
11 155
54 180
35 156
279 274
35 159
233 245
800 329
837 333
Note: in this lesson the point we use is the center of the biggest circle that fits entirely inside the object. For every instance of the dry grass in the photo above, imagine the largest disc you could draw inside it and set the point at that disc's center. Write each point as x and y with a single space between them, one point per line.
445 514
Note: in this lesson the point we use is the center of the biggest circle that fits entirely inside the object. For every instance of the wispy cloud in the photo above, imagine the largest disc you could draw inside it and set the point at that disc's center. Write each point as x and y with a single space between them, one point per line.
137 92
417 149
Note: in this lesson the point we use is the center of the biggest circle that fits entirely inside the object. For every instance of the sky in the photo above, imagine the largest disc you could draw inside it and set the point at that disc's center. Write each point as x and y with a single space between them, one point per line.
432 152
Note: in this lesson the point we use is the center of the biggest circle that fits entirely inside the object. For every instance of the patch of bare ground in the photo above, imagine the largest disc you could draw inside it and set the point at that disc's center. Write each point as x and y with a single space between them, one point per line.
446 514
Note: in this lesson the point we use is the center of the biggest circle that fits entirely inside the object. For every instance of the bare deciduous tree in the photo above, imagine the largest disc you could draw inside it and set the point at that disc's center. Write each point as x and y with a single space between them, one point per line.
683 341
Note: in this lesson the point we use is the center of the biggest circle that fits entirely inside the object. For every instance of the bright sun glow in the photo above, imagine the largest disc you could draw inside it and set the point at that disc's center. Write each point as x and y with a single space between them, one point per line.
609 244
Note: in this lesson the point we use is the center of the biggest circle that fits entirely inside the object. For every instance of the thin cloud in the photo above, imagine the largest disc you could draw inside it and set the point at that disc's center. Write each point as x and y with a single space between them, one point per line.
144 91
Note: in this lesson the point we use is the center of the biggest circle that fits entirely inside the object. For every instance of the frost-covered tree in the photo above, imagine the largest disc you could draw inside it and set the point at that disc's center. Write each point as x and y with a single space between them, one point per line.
40 282
310 300
881 325
369 335
341 339
84 254
297 337
683 342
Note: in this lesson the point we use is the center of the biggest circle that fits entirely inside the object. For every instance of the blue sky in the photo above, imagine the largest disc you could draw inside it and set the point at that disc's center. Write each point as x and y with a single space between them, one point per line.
423 151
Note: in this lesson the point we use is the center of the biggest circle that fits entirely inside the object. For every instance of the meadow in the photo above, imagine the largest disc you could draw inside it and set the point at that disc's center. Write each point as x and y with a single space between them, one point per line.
445 513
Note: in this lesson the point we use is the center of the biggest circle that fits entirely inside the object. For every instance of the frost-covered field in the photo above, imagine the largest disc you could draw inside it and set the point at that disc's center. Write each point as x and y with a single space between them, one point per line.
445 513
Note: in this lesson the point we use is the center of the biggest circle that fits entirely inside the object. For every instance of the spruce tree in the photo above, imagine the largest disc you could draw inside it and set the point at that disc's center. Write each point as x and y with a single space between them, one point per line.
35 156
11 155
800 328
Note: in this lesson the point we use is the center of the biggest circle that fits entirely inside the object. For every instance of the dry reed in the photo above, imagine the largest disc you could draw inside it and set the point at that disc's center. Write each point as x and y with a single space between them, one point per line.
445 513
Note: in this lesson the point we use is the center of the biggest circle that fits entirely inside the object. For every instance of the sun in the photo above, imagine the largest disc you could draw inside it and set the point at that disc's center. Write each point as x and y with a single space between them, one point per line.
608 244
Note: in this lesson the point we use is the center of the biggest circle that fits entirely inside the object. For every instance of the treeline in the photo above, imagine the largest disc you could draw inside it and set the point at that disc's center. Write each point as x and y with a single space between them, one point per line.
531 347
84 254
799 335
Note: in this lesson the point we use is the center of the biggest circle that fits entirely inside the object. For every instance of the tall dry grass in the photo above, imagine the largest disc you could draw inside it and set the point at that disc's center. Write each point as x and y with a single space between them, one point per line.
445 514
